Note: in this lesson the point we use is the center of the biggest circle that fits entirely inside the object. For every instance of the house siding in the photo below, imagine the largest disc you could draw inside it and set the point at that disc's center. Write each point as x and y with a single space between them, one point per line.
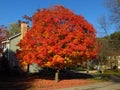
13 60
13 44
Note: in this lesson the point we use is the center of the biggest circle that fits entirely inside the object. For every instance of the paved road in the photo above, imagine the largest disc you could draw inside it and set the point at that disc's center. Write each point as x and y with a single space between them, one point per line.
97 86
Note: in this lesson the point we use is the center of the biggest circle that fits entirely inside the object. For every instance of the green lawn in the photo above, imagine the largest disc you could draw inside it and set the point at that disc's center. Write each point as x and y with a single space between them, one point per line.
106 75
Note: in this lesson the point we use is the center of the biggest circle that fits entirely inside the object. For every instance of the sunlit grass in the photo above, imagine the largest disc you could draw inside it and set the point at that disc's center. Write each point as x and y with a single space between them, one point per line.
106 76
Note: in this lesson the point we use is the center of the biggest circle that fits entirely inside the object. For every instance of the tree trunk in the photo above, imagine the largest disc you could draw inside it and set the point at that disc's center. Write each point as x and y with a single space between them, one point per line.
57 76
87 67
28 68
102 70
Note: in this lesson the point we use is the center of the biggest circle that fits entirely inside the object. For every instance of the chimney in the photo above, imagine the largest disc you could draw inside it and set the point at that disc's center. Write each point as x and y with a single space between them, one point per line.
24 28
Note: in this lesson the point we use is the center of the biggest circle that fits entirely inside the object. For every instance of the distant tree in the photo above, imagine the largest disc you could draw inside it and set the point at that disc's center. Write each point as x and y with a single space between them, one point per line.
115 35
109 48
13 28
114 7
115 41
104 52
57 38
110 44
104 24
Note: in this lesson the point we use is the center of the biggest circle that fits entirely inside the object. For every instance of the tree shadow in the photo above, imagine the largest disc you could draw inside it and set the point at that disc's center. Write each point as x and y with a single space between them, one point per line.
24 81
74 75
115 78
12 81
64 75
16 80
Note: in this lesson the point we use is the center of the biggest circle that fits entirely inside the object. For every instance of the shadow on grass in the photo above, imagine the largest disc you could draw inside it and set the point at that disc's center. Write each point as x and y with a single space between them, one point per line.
14 81
74 75
66 74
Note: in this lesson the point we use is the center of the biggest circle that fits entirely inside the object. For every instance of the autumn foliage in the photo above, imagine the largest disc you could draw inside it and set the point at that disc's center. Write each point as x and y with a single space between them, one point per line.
3 34
58 38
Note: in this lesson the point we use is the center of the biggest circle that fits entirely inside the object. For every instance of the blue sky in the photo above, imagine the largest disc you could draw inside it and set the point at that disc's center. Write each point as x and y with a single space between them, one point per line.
12 10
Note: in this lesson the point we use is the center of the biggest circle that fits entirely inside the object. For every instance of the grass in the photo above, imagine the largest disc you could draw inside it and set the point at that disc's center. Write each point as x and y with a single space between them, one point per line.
113 72
106 76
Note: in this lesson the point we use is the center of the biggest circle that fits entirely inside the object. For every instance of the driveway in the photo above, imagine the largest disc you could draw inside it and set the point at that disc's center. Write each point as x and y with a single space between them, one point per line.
97 86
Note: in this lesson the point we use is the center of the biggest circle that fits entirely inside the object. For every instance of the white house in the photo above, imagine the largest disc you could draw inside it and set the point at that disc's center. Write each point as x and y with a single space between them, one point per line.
10 47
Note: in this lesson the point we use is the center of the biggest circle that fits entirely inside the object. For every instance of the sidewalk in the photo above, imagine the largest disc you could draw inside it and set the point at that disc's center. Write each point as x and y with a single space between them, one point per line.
97 86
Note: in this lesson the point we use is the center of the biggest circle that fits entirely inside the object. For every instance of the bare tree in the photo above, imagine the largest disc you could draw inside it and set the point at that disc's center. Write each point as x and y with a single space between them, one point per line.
114 7
104 25
109 45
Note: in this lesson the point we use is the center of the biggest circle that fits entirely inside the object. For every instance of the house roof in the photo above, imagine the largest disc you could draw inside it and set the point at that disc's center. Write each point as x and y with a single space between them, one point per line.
14 36
6 41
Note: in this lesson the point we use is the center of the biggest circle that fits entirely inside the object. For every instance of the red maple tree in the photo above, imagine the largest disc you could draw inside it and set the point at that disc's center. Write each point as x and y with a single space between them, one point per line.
57 38
3 34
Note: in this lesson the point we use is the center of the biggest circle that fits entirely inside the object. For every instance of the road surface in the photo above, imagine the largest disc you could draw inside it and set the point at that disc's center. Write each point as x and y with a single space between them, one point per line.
97 86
